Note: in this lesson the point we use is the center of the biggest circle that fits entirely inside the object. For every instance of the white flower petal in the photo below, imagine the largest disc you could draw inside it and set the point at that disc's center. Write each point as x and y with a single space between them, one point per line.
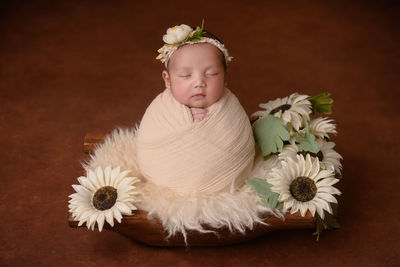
99 176
308 166
329 190
109 217
288 204
303 209
322 127
125 182
314 169
312 207
169 38
86 183
124 208
81 222
93 179
323 174
74 195
320 211
328 197
92 220
324 204
85 215
100 221
117 215
327 181
120 177
107 175
131 206
295 207
115 172
83 191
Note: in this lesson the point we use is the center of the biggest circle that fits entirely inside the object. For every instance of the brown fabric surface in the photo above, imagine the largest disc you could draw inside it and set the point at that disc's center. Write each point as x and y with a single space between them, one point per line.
72 67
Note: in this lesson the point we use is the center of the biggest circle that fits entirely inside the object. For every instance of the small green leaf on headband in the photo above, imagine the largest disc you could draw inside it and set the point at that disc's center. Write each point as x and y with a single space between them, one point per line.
198 34
307 142
322 103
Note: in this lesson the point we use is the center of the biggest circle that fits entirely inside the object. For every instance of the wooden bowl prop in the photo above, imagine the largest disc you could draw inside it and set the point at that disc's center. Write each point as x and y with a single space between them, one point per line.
138 227
151 232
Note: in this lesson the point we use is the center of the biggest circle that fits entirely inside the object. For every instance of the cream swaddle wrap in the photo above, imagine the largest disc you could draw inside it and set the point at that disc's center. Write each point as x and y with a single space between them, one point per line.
212 155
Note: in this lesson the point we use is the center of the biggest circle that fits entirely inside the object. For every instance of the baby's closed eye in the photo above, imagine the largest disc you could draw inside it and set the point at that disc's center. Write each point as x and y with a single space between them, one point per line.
212 73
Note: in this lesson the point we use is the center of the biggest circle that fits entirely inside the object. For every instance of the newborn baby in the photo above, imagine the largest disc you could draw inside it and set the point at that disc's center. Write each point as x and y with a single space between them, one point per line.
195 137
196 76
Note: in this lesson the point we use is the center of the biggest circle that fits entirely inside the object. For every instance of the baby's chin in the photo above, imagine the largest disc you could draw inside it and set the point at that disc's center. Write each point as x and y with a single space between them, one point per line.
198 104
205 102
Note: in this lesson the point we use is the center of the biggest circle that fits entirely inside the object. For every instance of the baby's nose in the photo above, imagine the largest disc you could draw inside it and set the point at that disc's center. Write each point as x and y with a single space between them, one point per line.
200 81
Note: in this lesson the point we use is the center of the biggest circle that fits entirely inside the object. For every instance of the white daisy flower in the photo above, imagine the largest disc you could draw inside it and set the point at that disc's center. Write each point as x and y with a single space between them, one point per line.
329 158
103 196
294 109
322 127
302 185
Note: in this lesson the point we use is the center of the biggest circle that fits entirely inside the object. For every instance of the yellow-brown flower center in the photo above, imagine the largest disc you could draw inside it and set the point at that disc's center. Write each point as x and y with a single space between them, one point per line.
282 108
303 189
318 155
105 197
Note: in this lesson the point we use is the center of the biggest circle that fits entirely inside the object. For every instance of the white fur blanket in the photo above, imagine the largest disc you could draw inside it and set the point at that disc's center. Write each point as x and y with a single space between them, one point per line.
239 210
213 155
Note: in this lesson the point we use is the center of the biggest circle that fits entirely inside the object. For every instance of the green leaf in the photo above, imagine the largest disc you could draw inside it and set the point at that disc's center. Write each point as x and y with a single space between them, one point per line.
269 133
322 103
263 189
320 226
338 175
202 25
307 142
198 34
328 223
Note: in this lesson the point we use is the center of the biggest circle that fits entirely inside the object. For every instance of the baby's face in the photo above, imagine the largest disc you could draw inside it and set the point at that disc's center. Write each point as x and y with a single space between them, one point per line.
196 75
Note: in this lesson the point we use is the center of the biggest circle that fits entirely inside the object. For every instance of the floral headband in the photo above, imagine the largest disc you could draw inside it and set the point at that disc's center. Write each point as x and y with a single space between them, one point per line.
184 34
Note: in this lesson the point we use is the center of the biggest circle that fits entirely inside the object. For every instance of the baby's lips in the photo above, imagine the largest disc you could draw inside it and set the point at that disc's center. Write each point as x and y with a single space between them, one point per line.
199 95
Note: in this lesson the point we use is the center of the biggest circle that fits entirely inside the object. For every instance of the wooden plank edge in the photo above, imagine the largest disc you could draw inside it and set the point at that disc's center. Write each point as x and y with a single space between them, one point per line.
90 140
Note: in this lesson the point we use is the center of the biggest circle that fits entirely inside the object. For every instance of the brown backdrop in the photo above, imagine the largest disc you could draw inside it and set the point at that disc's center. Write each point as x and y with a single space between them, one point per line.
72 67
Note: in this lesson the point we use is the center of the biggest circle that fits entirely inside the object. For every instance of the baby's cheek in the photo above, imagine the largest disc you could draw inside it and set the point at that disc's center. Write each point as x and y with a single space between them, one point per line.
216 93
180 95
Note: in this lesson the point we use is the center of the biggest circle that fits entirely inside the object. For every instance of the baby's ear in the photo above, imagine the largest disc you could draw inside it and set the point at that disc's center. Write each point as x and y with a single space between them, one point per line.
167 79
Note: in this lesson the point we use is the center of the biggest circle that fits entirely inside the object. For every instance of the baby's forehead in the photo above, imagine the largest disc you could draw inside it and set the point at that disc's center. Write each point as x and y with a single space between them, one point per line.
187 52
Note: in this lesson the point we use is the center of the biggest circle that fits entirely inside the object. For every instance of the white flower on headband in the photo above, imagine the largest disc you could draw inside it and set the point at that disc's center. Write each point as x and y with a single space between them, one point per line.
177 34
184 34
